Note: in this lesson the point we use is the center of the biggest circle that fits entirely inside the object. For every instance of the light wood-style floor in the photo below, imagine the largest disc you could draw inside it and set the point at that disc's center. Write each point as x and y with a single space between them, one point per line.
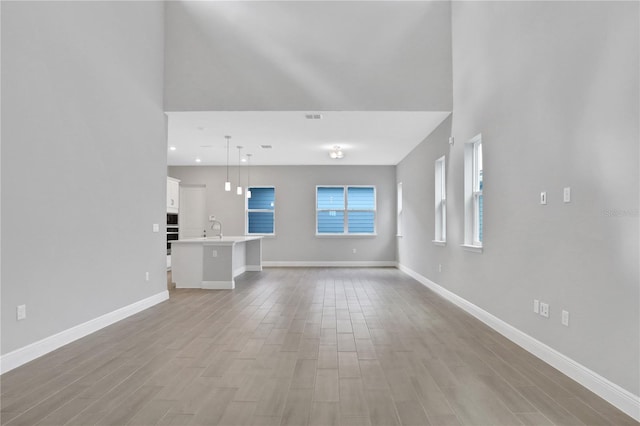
299 347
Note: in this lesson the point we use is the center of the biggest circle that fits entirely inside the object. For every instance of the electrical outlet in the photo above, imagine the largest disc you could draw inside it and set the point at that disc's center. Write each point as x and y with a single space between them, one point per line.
536 306
567 195
21 312
544 310
543 198
214 253
439 267
354 251
146 276
156 227
565 318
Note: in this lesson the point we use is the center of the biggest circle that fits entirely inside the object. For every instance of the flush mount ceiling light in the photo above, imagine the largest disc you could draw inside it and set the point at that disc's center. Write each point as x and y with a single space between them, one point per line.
172 148
336 153
227 183
239 187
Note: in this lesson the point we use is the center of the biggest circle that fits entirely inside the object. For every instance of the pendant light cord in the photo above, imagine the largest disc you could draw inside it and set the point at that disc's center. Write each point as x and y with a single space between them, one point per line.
239 157
228 137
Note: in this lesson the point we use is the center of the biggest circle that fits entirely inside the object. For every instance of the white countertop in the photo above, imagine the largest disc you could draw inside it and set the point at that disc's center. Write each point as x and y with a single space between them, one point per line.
224 241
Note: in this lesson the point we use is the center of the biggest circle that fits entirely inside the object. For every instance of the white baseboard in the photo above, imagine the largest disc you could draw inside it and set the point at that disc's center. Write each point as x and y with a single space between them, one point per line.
621 398
35 350
218 285
239 271
253 268
329 264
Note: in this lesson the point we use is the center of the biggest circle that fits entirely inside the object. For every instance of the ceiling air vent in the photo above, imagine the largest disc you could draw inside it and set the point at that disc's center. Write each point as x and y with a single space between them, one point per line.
313 116
266 146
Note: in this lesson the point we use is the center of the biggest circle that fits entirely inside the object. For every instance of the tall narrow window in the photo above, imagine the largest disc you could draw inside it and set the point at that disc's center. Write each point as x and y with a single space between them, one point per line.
473 185
261 211
440 201
477 193
345 210
399 218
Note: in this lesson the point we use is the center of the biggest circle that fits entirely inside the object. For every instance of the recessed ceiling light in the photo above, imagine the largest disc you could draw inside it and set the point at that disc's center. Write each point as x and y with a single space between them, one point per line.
198 160
244 160
172 148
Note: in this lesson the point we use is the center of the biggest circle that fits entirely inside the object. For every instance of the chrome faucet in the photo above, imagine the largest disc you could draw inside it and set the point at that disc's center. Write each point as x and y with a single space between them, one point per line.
215 222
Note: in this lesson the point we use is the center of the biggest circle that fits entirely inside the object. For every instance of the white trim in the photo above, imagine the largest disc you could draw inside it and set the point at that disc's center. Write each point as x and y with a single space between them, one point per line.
238 271
470 247
330 264
607 390
218 285
42 347
439 242
253 268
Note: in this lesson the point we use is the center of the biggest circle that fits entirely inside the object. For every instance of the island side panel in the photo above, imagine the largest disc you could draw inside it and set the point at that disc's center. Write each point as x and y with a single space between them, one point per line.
217 272
253 250
239 258
186 265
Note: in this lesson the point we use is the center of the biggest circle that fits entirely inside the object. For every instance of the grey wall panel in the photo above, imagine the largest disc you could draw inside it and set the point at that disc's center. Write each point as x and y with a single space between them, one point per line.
554 89
83 162
295 238
281 55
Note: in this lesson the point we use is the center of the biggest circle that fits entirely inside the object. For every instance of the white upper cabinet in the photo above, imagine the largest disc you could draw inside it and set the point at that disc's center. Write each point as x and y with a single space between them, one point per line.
173 195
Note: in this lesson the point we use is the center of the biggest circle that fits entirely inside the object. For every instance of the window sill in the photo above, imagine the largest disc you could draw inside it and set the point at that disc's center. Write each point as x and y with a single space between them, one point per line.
261 235
439 242
472 248
346 235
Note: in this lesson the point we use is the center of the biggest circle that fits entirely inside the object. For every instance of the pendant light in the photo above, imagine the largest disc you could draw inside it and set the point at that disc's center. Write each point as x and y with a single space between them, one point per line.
227 183
239 187
249 175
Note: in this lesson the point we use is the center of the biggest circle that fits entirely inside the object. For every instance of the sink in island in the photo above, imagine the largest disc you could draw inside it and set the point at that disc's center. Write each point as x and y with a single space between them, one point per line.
213 263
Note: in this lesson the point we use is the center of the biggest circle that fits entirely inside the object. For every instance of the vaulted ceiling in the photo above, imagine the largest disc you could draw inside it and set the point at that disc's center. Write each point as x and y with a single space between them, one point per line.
379 72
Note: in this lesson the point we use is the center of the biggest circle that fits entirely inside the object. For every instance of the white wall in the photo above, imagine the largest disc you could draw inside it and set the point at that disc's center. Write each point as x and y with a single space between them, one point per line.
295 239
83 162
289 56
554 89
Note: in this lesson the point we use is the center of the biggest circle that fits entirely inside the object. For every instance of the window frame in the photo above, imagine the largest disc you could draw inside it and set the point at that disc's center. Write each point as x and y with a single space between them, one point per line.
345 210
477 192
440 201
473 190
247 211
399 207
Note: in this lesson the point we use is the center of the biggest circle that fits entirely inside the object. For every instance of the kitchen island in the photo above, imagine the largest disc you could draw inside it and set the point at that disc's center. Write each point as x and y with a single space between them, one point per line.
213 263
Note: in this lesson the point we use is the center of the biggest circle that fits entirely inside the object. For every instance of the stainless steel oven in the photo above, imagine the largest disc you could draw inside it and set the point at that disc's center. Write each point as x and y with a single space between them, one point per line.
172 230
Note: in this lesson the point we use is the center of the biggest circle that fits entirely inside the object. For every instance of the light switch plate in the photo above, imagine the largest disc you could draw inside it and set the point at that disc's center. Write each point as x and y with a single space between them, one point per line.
156 227
543 197
567 195
21 312
536 306
544 310
565 318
